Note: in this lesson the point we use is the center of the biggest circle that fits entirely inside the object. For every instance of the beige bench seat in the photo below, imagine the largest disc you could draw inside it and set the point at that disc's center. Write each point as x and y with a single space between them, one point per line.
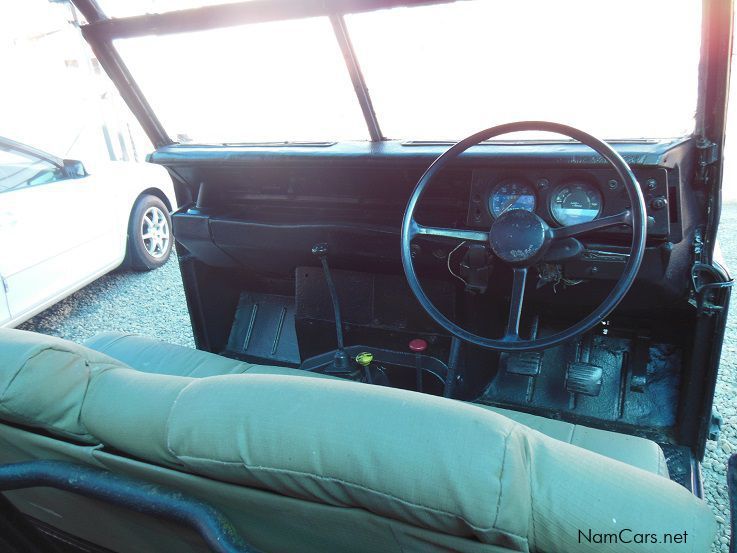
153 356
451 470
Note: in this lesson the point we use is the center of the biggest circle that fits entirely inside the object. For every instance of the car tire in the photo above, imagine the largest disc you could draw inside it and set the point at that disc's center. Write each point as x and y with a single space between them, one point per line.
149 234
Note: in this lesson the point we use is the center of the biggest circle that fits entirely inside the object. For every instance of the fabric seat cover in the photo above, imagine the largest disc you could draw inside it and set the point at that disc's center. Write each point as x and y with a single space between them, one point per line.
153 356
428 462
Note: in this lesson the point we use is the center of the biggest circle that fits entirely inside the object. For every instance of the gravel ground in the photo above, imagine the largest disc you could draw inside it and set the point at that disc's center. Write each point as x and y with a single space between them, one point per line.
153 304
150 303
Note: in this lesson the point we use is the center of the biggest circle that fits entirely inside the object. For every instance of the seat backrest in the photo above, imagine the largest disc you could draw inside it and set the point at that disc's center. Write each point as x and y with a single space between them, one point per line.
430 463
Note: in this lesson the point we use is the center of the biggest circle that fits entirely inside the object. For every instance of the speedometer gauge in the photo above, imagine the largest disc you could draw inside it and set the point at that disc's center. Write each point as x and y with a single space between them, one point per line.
574 203
509 195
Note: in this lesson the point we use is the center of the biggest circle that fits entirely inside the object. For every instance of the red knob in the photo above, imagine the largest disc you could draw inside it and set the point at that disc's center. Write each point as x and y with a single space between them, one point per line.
418 345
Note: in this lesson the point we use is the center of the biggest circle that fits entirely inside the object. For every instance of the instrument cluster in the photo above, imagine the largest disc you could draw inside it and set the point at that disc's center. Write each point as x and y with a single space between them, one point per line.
564 198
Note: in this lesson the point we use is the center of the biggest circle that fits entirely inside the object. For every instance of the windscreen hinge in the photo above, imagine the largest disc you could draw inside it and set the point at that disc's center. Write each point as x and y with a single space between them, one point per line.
708 154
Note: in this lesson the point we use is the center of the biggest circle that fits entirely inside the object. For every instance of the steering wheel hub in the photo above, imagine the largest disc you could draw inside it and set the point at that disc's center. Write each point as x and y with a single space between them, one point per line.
519 237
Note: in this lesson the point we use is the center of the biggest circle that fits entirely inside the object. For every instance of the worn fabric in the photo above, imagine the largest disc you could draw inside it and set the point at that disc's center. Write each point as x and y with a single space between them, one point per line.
43 381
152 356
633 450
272 523
452 468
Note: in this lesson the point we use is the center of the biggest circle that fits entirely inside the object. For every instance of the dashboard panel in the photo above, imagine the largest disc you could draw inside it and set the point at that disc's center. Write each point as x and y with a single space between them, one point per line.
564 197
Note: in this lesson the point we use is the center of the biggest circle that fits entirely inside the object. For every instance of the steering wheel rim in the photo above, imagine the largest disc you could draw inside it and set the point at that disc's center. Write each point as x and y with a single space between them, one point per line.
637 217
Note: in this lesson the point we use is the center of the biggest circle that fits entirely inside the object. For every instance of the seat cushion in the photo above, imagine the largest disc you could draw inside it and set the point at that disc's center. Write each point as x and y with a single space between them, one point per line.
633 450
43 382
153 356
426 461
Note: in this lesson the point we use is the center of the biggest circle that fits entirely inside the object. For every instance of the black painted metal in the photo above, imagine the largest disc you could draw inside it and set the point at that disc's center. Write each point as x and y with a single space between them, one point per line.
324 361
354 69
624 218
18 535
240 13
711 113
453 361
515 303
514 343
149 499
341 361
116 69
263 331
91 10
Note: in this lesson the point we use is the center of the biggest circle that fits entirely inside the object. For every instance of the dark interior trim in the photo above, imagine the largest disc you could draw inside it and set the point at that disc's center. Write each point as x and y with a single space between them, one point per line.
149 499
118 72
354 70
711 112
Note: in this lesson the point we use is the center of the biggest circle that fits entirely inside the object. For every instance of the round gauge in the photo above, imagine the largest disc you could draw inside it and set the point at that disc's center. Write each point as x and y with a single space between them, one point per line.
509 195
574 203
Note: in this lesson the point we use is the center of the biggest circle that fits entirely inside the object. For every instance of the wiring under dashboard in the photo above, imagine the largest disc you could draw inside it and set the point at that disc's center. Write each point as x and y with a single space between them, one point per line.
450 270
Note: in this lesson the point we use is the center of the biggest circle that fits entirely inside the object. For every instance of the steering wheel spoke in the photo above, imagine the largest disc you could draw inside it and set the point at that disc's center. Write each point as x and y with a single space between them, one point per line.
458 234
515 304
623 218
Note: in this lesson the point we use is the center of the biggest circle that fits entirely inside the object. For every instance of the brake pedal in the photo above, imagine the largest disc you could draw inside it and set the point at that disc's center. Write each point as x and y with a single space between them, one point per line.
584 378
526 363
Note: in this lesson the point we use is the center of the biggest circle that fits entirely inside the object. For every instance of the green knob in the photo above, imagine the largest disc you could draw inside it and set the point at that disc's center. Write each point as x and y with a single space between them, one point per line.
364 359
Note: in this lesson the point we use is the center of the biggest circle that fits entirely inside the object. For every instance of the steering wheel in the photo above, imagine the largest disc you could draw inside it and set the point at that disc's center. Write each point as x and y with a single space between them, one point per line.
522 239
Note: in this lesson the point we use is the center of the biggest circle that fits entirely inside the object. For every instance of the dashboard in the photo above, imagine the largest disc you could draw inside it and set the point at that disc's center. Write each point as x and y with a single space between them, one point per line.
565 197
353 196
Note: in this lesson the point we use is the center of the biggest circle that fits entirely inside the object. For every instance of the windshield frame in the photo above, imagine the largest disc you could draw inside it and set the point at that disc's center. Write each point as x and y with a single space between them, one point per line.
101 31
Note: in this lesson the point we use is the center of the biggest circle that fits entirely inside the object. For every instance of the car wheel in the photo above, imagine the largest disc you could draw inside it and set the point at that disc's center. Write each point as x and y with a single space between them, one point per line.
149 234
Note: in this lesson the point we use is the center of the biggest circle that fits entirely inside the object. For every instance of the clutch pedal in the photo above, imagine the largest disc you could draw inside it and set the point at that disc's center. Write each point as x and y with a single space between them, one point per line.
584 378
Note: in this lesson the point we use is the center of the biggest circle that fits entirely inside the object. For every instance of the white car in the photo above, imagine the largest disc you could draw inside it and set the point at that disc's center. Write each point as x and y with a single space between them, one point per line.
62 225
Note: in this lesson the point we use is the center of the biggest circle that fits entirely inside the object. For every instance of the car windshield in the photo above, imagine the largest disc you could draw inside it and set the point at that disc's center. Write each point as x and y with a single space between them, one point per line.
619 70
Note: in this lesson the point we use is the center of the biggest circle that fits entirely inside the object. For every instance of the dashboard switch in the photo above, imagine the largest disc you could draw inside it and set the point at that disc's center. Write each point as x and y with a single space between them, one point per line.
418 345
659 203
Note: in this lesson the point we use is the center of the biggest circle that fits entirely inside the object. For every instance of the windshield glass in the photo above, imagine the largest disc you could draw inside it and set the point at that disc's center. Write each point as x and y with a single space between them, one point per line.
267 82
624 69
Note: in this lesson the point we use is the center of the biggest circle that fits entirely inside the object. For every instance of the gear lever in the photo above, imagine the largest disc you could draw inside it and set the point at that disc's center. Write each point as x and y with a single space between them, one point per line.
341 361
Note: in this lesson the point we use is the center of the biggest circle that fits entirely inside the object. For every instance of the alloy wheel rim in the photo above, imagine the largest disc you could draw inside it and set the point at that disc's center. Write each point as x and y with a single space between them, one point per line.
155 232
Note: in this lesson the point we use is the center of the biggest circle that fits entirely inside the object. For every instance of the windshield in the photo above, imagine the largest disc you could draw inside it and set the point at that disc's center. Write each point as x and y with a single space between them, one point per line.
269 82
619 70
